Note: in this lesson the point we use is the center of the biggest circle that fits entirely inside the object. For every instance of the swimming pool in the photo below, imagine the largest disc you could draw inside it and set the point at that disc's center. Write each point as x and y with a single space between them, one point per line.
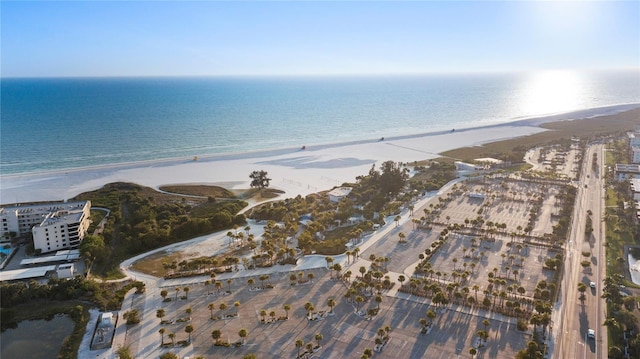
6 251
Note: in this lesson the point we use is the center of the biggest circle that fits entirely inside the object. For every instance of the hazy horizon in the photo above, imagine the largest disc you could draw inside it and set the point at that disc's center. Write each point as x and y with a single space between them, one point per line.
292 39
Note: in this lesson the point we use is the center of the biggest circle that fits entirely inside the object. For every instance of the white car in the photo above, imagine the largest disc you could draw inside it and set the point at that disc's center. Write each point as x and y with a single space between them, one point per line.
592 285
591 334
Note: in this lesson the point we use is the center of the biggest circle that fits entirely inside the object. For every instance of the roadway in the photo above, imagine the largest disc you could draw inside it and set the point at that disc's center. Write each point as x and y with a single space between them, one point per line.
574 316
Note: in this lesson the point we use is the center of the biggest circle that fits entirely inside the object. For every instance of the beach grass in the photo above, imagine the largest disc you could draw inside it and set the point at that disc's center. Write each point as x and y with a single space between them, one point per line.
199 190
153 264
557 132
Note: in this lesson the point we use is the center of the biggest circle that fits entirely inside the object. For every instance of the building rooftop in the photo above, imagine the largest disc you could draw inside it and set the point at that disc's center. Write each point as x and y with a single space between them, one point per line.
340 191
50 259
631 168
25 273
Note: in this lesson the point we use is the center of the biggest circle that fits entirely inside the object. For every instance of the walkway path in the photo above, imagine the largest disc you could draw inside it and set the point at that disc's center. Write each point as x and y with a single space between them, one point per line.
147 303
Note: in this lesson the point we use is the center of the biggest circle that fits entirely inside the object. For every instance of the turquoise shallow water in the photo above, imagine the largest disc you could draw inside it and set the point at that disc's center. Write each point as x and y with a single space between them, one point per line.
52 124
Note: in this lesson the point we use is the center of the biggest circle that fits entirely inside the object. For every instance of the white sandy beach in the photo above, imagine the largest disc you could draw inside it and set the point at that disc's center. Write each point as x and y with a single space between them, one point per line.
294 171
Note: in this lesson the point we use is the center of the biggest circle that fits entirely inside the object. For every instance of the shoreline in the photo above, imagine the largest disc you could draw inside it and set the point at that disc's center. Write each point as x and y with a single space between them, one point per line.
295 171
535 121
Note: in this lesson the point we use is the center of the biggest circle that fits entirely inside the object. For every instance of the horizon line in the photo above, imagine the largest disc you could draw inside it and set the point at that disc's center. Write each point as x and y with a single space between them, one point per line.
326 75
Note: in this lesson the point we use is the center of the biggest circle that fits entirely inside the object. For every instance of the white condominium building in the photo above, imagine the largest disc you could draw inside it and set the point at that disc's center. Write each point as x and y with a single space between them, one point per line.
54 226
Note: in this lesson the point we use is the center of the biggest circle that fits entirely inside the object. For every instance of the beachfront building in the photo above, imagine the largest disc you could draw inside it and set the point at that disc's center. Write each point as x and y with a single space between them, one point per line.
337 194
54 226
634 138
635 193
625 171
635 154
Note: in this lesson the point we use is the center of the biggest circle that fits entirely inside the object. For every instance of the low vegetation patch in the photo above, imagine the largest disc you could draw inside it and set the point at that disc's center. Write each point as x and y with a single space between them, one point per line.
143 219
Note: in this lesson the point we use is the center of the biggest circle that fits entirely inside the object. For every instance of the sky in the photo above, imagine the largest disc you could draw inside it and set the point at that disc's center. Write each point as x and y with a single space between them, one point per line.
215 38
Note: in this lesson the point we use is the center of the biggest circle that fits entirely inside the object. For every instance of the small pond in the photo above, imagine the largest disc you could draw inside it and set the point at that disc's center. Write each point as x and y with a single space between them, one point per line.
634 264
36 339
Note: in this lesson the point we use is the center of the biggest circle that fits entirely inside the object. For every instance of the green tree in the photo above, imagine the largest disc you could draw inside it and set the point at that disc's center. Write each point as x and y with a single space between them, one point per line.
124 352
259 179
242 333
216 334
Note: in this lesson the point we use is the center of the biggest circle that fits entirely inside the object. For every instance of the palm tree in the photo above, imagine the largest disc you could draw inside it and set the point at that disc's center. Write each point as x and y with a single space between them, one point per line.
236 305
309 308
359 301
338 268
397 219
189 311
401 279
211 307
229 281
164 293
177 290
263 314
378 299
318 338
160 313
473 352
329 261
362 271
431 315
186 292
243 334
475 289
172 336
189 330
216 334
368 352
162 331
486 324
286 308
222 307
402 236
299 344
331 303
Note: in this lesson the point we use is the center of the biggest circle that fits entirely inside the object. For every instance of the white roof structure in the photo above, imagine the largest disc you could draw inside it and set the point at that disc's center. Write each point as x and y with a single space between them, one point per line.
25 273
336 194
489 160
49 259
635 184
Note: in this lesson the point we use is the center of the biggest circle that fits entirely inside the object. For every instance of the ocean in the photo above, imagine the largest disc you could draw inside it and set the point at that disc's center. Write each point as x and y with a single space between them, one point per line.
62 123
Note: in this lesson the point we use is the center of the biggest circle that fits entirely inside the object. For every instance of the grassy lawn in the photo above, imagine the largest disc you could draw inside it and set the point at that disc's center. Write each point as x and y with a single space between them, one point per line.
199 190
153 264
